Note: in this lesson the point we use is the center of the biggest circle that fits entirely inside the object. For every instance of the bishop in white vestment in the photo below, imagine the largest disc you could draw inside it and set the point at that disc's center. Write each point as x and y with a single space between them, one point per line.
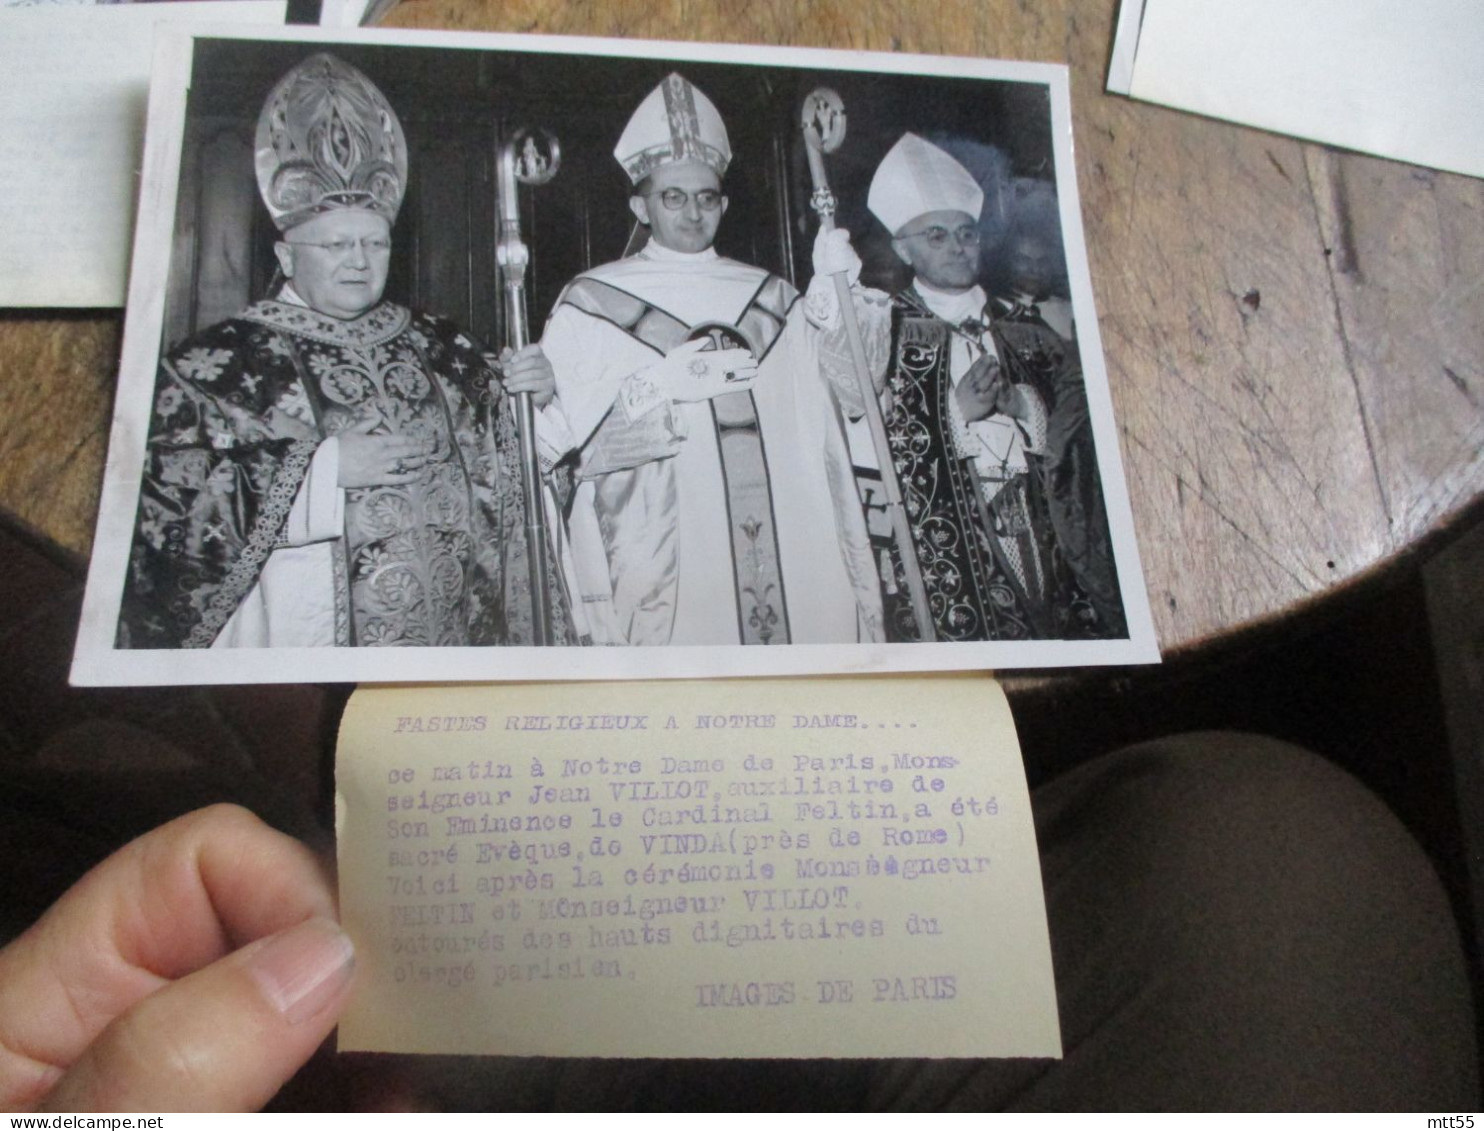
717 503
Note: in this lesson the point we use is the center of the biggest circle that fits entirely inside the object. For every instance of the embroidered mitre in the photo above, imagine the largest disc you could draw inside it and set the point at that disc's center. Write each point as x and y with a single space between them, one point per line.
675 123
327 139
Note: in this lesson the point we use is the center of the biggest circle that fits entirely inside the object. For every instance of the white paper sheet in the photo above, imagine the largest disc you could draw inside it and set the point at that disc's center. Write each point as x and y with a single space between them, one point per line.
343 13
826 867
1398 80
73 84
1125 46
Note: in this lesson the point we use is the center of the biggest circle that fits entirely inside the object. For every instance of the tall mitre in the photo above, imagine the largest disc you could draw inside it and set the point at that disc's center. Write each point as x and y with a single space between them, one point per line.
916 177
676 122
328 139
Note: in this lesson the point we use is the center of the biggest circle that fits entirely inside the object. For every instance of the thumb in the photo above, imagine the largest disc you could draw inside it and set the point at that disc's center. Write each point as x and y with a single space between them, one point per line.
224 1038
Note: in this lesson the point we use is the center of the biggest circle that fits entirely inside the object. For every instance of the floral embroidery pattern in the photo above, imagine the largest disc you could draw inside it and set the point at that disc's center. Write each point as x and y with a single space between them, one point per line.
263 537
762 617
968 595
381 324
202 364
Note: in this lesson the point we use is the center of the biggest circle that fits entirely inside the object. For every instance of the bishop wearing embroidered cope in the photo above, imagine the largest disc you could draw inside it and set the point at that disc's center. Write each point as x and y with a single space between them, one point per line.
716 501
327 468
988 427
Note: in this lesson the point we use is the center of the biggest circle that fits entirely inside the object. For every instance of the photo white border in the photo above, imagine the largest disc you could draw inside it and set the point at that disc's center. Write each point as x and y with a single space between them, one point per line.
97 662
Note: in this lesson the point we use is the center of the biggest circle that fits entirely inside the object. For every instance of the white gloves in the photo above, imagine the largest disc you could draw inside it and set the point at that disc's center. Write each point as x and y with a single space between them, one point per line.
689 372
833 254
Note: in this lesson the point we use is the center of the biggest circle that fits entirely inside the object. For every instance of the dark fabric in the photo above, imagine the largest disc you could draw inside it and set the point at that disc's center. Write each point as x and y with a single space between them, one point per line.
98 783
1236 925
1070 494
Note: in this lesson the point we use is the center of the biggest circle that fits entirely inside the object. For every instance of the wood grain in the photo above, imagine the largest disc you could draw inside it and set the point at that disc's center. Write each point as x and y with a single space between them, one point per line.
57 375
1293 336
1409 295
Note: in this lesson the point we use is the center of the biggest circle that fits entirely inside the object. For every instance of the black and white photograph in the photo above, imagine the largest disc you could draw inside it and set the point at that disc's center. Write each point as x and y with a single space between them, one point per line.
486 357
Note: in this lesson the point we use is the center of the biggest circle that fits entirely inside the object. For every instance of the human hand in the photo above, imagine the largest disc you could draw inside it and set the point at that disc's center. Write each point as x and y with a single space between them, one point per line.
692 372
833 254
982 390
527 370
382 460
194 970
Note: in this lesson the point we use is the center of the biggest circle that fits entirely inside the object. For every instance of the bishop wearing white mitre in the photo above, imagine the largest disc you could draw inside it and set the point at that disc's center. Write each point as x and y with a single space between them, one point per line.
716 501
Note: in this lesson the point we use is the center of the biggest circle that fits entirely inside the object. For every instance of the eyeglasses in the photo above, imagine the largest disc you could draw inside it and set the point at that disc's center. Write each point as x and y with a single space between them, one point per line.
674 199
937 237
374 245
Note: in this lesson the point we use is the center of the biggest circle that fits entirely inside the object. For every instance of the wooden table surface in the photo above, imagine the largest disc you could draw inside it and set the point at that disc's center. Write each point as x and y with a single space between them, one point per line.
1294 336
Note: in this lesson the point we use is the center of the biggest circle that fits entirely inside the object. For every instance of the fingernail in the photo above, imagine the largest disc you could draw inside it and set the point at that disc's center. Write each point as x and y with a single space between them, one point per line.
303 969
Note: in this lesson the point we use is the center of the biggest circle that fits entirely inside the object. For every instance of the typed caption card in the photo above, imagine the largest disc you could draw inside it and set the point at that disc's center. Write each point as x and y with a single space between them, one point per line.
830 867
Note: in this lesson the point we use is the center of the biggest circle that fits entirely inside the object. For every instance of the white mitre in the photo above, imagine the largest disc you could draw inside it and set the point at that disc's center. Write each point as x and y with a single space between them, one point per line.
674 123
917 177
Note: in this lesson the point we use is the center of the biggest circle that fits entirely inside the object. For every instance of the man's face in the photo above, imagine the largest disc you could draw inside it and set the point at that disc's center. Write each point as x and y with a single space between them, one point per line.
942 248
692 225
1033 266
337 262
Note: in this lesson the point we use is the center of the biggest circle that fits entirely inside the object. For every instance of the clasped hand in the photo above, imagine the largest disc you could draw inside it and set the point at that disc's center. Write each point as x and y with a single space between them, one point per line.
381 460
983 392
